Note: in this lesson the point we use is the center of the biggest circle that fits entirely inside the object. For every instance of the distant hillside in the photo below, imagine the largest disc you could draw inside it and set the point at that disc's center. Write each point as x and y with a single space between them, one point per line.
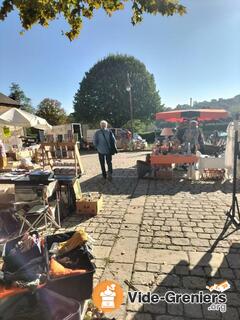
232 105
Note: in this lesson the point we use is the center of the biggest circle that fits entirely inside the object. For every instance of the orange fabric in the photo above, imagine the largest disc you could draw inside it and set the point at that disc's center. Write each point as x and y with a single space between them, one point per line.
10 292
57 270
4 293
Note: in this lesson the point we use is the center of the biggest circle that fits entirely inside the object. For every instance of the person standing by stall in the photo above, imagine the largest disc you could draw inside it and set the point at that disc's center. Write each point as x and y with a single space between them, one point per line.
191 137
105 143
3 156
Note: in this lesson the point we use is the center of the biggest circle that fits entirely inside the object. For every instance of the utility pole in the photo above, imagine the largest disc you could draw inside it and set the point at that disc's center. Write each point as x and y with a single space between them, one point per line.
129 89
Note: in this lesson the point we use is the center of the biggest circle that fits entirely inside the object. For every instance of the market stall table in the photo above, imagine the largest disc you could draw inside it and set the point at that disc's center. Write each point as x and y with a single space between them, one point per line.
173 159
166 162
23 180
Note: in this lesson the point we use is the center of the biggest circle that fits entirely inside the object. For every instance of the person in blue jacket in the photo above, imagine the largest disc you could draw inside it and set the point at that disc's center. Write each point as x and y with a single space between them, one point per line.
105 143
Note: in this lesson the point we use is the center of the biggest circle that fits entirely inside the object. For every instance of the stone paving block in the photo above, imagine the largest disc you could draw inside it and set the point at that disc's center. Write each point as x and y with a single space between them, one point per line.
181 241
161 240
204 236
140 266
177 229
191 282
174 248
133 218
145 239
197 271
175 309
202 259
193 311
233 260
162 256
167 268
138 210
100 263
233 299
124 250
211 315
158 308
118 271
143 278
237 285
182 270
200 242
231 314
101 252
129 233
169 280
226 273
153 267
190 235
108 243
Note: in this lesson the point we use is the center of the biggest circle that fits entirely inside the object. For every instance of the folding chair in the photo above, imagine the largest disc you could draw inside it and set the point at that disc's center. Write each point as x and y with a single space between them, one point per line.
42 212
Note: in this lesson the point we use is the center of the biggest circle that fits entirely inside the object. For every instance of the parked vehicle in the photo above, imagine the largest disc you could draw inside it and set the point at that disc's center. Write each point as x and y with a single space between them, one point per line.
64 133
138 142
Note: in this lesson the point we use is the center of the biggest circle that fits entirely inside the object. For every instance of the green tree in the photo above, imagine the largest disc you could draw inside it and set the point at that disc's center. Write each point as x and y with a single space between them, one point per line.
42 12
103 95
52 111
17 94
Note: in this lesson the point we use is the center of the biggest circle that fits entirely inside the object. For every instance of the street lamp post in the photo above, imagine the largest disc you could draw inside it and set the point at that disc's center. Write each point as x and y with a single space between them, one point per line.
129 89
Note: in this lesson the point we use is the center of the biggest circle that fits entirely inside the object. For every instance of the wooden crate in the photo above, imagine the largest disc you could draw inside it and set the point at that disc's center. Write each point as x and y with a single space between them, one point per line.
89 204
213 174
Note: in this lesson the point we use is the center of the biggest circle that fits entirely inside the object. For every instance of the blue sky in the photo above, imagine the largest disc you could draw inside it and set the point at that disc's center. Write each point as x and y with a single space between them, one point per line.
196 55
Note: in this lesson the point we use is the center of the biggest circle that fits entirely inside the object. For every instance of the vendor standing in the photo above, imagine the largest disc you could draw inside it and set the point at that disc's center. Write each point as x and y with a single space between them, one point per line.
193 138
105 143
3 156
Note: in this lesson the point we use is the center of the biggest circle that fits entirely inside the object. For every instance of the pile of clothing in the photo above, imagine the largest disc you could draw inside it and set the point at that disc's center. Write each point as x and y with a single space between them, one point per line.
45 278
24 265
65 257
28 263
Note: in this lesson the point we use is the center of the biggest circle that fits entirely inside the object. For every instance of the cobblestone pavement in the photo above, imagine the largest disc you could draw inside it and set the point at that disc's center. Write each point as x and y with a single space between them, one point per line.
162 235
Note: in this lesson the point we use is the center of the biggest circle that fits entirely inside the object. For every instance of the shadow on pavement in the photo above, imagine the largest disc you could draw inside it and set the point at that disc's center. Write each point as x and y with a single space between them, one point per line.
190 277
125 181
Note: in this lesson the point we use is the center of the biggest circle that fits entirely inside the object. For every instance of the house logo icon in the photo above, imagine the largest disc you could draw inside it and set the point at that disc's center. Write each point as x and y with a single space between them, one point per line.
108 296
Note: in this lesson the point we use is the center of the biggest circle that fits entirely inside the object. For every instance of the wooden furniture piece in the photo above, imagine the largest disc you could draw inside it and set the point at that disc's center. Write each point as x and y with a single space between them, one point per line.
61 150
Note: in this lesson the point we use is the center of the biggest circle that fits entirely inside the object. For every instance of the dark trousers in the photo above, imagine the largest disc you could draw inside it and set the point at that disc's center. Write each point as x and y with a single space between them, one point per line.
108 159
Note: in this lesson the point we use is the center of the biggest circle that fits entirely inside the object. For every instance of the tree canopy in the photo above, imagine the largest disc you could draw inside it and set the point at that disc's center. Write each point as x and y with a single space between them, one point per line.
74 11
17 94
103 95
52 111
231 104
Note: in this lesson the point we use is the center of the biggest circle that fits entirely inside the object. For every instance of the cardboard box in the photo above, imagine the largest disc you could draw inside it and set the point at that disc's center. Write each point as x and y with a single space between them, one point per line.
90 203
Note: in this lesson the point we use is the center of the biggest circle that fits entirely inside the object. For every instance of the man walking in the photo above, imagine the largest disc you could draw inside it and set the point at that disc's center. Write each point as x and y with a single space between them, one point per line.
105 143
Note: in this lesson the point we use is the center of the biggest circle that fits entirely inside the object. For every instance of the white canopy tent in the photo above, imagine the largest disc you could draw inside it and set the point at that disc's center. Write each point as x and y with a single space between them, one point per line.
19 118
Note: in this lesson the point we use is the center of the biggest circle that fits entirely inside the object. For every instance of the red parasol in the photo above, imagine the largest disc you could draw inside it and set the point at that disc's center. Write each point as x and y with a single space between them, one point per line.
198 114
